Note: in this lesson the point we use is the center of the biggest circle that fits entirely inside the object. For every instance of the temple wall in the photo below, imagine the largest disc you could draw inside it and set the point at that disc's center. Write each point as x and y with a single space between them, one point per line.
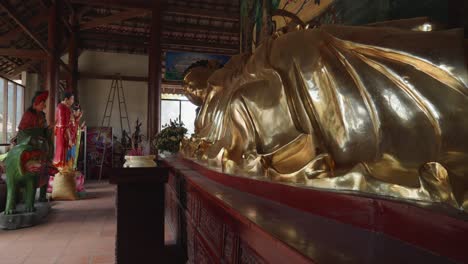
94 92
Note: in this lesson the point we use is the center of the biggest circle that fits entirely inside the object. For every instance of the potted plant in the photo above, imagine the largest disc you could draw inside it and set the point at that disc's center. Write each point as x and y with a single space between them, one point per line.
138 156
167 142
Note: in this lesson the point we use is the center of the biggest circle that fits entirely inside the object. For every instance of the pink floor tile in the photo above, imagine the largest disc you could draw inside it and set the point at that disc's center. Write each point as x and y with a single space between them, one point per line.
77 232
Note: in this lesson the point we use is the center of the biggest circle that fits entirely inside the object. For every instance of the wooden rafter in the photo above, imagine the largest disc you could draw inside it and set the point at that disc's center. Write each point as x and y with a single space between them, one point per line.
83 10
70 6
67 25
143 40
112 19
15 33
115 3
90 75
23 53
21 68
196 12
21 63
9 10
65 66
196 28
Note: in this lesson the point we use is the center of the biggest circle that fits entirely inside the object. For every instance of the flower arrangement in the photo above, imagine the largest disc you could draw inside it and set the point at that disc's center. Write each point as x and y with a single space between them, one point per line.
135 152
138 145
170 137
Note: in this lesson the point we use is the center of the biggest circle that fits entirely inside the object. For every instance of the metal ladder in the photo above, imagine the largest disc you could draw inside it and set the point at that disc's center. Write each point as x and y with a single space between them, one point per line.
116 86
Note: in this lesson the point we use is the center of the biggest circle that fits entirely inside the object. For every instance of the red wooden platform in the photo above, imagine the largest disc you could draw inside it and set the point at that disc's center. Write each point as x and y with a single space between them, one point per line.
239 220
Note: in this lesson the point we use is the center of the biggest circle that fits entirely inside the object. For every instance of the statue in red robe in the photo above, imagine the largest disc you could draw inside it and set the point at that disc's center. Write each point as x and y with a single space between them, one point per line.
35 117
63 133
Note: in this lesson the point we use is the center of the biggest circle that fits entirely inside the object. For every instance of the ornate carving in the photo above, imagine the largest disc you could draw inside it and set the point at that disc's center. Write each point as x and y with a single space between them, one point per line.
202 255
248 255
192 206
230 245
190 243
211 228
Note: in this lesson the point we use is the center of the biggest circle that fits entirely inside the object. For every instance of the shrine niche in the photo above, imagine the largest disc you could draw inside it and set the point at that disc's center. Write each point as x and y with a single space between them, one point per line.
369 110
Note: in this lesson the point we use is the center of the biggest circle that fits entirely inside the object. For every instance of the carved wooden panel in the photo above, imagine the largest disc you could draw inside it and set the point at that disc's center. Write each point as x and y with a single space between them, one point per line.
230 246
182 184
248 256
190 243
211 227
202 253
192 206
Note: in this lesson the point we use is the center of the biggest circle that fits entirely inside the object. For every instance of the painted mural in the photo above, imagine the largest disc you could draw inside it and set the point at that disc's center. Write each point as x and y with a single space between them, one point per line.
177 62
260 18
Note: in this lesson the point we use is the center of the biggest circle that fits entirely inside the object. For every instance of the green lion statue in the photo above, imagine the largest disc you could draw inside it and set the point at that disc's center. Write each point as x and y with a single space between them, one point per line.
27 167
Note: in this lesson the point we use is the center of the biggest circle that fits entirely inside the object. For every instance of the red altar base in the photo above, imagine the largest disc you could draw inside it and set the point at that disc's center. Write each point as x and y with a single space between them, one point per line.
221 217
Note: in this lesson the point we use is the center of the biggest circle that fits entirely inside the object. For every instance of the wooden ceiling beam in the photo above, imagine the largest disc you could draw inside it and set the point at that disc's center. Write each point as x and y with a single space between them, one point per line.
171 9
196 12
67 24
23 53
22 62
90 75
186 27
21 68
70 6
97 76
15 33
65 66
168 43
124 15
145 4
143 41
12 14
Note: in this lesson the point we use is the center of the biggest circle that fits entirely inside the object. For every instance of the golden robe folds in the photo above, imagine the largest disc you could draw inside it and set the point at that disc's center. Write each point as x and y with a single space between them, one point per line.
375 110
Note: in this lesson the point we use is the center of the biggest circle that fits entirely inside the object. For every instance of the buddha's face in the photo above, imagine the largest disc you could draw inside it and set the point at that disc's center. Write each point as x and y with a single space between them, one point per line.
196 84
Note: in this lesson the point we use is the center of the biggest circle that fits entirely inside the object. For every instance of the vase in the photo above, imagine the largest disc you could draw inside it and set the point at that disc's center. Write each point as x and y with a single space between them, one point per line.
140 161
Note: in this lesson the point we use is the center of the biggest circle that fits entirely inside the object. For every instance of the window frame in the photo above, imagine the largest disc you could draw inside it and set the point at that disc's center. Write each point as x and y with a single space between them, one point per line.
180 110
6 114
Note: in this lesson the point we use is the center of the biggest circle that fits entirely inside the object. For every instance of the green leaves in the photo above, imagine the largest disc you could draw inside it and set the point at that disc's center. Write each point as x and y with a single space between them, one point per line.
170 136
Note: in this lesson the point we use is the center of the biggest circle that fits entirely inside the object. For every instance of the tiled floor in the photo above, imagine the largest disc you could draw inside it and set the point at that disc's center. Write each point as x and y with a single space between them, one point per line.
81 232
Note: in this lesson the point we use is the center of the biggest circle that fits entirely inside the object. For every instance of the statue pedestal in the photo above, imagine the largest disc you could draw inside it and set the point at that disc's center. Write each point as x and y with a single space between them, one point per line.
221 218
140 213
22 220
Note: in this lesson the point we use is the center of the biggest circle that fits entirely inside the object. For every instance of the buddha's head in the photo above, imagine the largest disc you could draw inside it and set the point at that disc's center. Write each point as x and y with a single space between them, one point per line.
196 80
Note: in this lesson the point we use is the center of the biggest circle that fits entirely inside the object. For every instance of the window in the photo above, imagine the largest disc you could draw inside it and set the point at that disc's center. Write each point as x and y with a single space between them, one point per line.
11 108
11 112
183 110
188 114
19 104
2 110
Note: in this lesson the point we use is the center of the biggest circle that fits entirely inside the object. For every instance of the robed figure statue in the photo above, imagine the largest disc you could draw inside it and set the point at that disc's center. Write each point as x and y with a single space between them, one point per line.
27 162
63 133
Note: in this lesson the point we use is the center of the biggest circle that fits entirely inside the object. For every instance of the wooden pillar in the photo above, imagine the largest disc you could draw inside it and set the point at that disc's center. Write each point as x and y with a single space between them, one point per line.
52 73
154 70
73 57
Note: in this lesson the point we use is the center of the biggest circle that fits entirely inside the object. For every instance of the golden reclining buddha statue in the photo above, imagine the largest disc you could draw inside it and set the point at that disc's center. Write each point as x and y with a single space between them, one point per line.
373 110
